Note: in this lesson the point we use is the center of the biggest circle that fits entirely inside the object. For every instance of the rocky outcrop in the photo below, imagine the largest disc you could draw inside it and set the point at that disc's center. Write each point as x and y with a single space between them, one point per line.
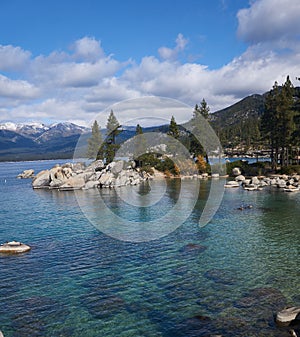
26 174
284 182
78 176
42 179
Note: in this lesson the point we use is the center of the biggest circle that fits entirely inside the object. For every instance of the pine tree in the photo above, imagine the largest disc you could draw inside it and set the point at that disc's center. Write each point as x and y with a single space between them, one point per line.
286 121
95 143
113 131
204 109
140 146
173 128
278 122
174 135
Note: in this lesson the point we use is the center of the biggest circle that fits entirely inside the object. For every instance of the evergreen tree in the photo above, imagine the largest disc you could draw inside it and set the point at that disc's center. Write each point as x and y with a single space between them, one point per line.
204 109
138 130
113 131
140 146
174 135
196 112
95 143
173 128
286 121
278 123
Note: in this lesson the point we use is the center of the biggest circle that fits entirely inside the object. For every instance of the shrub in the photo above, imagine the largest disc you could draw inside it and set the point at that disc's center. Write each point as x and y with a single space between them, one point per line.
291 169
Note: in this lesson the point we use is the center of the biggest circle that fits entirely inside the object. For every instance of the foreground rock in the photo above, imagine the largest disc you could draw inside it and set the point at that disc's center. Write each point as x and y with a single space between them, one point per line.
14 247
96 175
287 315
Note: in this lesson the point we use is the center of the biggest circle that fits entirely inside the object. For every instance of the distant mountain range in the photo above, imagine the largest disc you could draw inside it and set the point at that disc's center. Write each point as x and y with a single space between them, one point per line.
30 141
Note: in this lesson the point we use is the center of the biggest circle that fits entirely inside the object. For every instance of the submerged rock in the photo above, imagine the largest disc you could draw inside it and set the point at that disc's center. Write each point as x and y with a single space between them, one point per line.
220 276
193 248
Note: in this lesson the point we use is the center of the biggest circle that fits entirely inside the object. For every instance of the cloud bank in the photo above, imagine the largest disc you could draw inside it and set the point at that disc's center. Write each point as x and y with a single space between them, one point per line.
80 82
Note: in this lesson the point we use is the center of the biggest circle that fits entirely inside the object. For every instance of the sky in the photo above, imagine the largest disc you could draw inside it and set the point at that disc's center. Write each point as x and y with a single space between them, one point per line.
71 60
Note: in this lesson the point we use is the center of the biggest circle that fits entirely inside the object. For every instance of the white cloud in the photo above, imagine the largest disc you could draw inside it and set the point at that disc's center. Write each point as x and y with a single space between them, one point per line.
171 54
63 70
88 49
76 85
269 20
17 88
13 58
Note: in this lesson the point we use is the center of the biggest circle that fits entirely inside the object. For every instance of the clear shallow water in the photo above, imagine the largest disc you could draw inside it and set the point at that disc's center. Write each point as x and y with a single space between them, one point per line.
227 278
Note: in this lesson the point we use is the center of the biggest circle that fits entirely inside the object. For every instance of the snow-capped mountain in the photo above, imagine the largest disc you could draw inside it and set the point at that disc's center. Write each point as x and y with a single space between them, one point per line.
37 140
62 130
35 130
31 130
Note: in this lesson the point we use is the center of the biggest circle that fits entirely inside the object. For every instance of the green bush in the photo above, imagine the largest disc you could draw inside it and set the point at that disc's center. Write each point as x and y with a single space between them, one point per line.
291 169
254 169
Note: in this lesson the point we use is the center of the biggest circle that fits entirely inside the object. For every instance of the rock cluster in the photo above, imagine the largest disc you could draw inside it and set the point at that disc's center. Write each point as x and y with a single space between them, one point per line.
288 183
285 182
77 176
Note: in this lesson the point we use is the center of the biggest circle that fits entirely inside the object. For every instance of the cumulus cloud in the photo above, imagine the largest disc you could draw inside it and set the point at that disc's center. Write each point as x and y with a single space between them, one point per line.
171 54
17 88
62 69
269 20
13 58
88 48
79 83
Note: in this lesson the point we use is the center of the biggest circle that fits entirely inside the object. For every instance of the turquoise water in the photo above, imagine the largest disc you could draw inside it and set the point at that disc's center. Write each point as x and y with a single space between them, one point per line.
228 278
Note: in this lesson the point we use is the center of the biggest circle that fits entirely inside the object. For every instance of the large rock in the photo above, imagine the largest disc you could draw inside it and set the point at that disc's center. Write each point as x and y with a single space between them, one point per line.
74 183
255 181
57 176
106 179
122 179
287 315
117 167
236 171
91 184
42 179
240 178
96 165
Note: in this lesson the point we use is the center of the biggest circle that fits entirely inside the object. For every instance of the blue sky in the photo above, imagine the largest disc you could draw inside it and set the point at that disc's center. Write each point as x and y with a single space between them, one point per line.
127 29
71 59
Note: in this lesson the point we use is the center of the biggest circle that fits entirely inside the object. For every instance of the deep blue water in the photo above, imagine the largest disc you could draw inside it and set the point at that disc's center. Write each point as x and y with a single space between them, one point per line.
229 277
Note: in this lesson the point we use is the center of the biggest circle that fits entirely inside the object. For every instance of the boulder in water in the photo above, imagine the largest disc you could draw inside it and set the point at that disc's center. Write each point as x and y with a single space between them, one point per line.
287 315
14 247
26 174
41 180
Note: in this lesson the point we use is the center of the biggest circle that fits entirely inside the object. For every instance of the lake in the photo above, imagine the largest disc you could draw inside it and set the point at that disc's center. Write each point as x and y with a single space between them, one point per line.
85 276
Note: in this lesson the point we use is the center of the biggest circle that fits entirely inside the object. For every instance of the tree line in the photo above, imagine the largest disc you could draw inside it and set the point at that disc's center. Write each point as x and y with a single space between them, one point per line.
277 128
280 124
105 148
